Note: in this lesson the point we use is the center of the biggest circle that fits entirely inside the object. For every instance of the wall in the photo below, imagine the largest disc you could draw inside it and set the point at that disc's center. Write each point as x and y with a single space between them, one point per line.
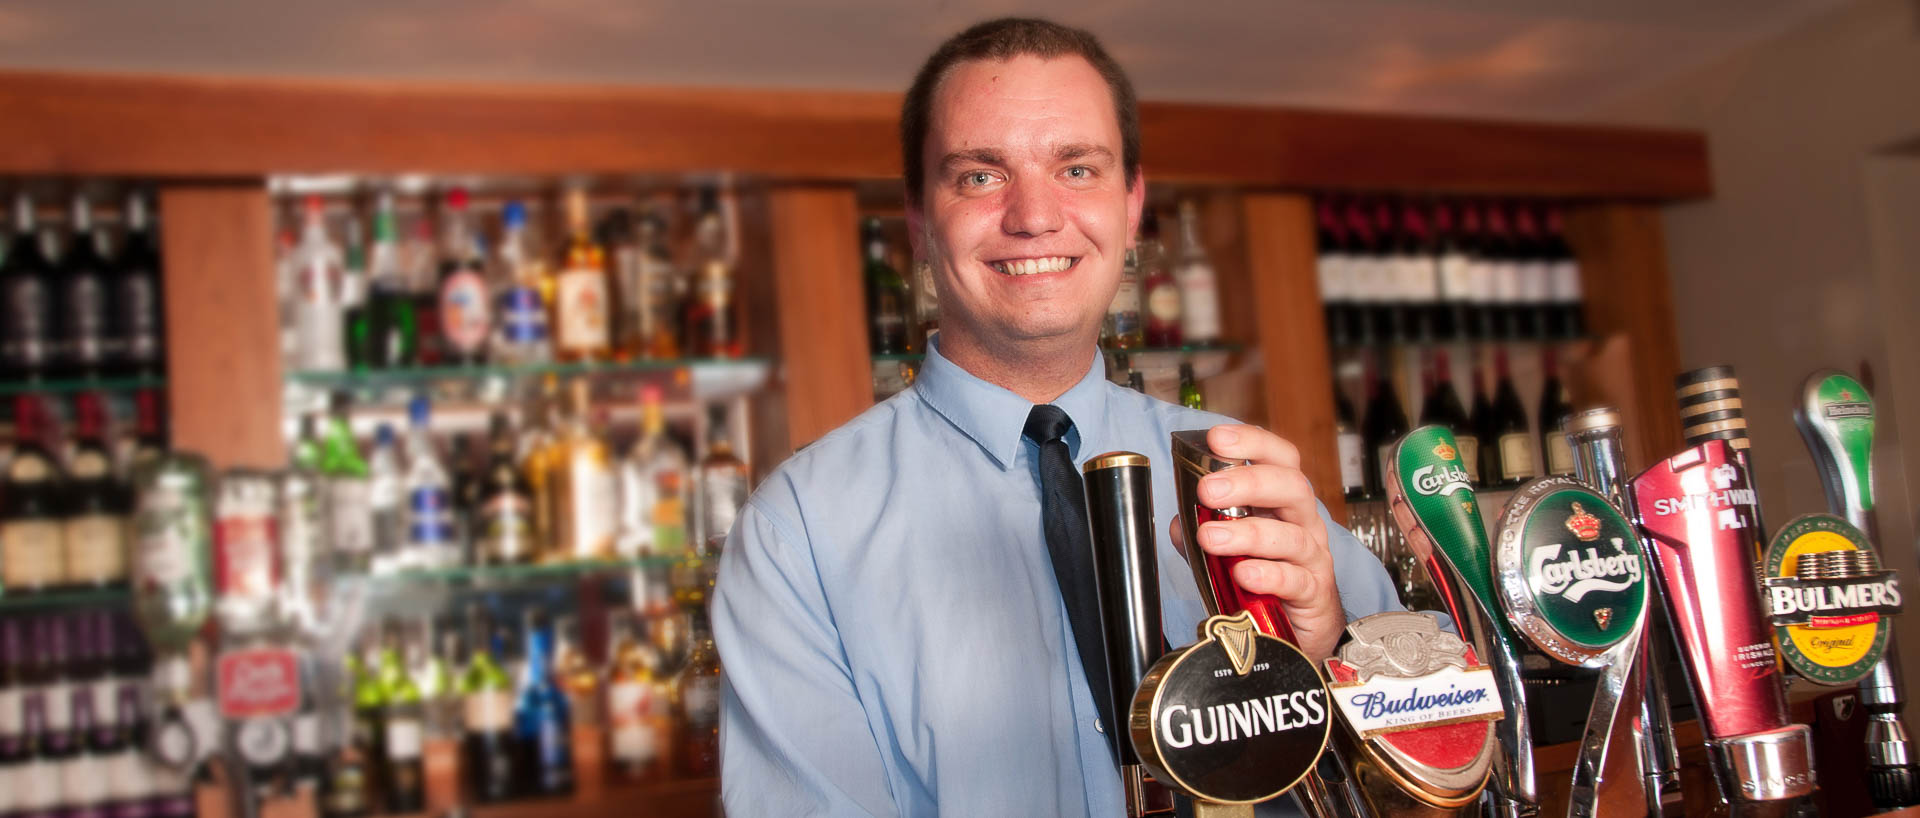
1808 254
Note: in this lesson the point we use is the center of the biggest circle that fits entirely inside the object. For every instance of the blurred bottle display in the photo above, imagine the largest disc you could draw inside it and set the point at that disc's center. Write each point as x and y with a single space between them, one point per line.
1554 410
720 486
585 499
696 696
1122 328
487 709
1190 396
582 291
31 529
28 339
1199 286
653 479
712 321
652 293
1513 444
319 311
465 305
1442 408
541 717
1348 445
521 335
1383 425
82 297
503 524
1160 292
887 299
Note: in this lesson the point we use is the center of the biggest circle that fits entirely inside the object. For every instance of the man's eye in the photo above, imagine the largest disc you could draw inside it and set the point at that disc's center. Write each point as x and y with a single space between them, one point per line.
977 178
1080 172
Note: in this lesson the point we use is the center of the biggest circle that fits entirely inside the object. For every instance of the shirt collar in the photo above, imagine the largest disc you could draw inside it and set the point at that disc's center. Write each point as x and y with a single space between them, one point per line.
994 417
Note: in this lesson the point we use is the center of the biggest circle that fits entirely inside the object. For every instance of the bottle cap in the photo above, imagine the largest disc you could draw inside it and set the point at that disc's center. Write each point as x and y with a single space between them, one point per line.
418 411
514 214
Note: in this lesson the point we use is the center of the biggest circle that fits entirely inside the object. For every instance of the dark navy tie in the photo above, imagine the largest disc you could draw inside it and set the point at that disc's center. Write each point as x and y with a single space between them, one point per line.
1063 505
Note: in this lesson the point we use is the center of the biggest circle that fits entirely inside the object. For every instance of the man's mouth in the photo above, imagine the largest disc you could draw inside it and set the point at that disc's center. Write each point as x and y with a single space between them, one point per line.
1034 266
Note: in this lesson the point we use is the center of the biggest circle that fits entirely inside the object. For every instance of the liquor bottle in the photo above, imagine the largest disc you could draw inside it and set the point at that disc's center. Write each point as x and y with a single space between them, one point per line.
392 326
31 556
1443 408
96 504
720 487
367 738
307 444
1554 409
429 516
653 478
582 292
586 496
697 704
487 711
1564 270
1418 279
1382 426
521 333
27 333
1136 381
541 454
637 709
355 284
1332 271
1122 328
655 305
1199 289
1533 299
1454 277
926 305
886 294
403 723
420 279
1347 442
1501 255
1190 389
349 492
301 523
171 577
150 429
82 297
541 716
465 306
578 678
712 326
1513 445
440 696
319 312
504 526
1160 292
386 490
246 557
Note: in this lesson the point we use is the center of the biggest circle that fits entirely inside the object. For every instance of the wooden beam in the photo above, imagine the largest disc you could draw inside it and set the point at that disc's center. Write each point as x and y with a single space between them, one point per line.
822 309
223 324
196 126
1623 261
1291 332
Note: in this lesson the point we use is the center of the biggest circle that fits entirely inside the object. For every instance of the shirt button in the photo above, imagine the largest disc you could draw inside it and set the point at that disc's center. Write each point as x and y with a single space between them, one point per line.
1098 727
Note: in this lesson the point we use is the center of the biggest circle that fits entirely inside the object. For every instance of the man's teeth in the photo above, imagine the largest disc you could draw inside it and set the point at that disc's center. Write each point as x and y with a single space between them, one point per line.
1031 266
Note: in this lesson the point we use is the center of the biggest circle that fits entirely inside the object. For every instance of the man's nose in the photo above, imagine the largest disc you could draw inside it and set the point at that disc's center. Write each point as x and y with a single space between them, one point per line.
1033 209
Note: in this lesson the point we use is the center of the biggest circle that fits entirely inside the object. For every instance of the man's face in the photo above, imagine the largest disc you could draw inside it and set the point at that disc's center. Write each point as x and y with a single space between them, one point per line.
1025 214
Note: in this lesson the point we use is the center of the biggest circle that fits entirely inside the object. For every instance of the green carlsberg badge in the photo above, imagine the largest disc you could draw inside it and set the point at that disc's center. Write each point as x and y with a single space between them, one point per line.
1570 569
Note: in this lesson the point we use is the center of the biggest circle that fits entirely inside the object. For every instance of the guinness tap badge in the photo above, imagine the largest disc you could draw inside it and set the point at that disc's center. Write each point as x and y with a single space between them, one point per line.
1828 599
1418 709
1236 718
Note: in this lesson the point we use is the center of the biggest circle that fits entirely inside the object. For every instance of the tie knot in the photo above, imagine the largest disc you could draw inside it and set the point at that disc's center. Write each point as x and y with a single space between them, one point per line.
1047 423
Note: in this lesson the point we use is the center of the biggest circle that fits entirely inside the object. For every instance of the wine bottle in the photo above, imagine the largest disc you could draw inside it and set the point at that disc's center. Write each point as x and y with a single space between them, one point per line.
1531 312
137 331
403 717
1161 293
1553 410
541 716
1352 451
27 332
1514 444
31 559
1418 276
83 334
1332 269
96 504
1454 276
886 294
1443 408
1564 268
487 710
1485 463
1384 424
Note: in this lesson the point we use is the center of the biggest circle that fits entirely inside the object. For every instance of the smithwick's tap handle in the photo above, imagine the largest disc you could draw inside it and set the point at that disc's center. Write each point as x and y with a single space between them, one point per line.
1120 508
1192 461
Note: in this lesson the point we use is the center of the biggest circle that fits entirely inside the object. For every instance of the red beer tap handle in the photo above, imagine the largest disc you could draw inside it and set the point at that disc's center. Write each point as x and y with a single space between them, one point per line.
1264 608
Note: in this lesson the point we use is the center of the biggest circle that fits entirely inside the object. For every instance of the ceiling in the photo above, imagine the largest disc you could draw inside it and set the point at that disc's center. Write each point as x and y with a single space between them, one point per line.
1534 59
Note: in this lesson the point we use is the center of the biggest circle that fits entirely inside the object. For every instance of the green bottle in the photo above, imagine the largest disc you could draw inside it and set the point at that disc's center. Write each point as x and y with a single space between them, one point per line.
369 735
404 716
348 492
1189 390
391 333
487 704
307 448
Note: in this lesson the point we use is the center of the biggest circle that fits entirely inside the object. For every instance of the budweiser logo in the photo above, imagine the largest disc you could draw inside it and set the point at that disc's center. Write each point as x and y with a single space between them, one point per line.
1576 576
1441 480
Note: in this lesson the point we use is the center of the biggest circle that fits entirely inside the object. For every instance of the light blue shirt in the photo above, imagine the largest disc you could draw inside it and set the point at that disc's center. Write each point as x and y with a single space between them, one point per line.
893 637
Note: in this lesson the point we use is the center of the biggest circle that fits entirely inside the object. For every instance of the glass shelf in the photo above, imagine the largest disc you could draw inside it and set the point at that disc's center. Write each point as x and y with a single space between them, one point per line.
1191 349
68 386
713 373
513 575
64 599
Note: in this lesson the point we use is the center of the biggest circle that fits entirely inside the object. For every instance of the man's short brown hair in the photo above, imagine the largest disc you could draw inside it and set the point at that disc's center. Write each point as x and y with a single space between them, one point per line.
1004 39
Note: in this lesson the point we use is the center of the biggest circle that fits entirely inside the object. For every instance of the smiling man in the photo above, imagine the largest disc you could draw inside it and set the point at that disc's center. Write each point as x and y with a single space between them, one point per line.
889 615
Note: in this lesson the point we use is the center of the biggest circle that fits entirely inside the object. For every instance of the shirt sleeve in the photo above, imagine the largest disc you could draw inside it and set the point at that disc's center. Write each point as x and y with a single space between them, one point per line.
1365 587
794 739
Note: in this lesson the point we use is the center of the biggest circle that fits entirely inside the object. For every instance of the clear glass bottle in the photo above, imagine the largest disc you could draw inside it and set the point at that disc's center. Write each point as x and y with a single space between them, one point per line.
696 697
653 480
386 490
636 707
1123 328
586 500
1199 290
720 487
583 291
430 529
521 335
319 306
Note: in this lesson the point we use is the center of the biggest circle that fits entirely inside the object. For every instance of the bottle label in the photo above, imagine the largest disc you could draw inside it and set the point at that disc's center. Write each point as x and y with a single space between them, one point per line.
166 528
463 311
1516 456
1456 277
506 527
1163 303
139 310
429 516
31 550
1331 271
86 316
580 297
10 724
1199 304
702 700
523 318
592 513
39 782
243 563
56 702
1353 459
263 742
88 464
724 494
1507 285
1536 282
96 549
128 772
632 716
104 698
488 711
403 739
1559 454
306 734
1469 446
1126 301
23 340
349 514
1566 281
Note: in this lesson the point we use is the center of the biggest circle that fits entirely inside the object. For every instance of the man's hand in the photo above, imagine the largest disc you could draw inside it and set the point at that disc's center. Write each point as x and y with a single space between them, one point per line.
1285 539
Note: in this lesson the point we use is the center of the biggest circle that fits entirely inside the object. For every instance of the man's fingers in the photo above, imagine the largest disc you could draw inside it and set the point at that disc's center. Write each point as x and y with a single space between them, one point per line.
1178 536
1283 489
1238 441
1264 538
1288 582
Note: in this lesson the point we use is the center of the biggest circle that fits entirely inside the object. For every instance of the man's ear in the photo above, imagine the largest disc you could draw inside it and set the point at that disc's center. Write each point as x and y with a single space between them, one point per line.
1136 199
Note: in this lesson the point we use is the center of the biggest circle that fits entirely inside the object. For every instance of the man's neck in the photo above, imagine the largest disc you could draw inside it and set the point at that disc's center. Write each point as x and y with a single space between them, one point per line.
1039 371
